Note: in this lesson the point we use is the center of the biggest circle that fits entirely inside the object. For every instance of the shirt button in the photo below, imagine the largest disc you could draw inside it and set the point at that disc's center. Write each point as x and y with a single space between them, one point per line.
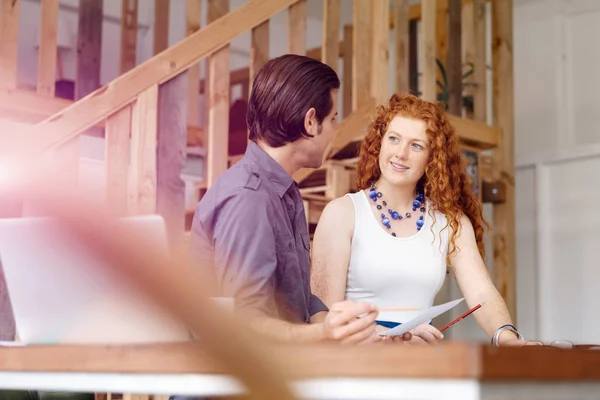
290 245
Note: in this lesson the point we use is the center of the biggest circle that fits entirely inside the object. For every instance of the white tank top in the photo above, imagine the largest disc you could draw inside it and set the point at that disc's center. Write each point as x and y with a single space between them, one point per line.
393 271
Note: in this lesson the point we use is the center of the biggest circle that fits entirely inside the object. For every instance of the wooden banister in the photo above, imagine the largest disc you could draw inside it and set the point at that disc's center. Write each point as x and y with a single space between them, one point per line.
108 99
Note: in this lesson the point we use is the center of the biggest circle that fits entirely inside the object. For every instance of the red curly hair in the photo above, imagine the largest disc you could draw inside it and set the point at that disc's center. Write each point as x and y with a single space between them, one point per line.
445 182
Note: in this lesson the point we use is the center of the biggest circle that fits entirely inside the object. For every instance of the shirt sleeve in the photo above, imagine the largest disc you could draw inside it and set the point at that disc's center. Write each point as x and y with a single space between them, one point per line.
245 253
316 305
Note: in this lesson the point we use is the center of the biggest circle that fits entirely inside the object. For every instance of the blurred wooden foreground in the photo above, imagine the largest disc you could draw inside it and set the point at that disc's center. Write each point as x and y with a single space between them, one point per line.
451 360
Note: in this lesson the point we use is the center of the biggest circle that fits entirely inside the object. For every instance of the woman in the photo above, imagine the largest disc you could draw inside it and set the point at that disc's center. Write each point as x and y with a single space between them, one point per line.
389 243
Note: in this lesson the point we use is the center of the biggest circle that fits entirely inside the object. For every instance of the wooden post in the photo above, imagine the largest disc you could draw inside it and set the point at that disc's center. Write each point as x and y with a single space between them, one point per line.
259 50
441 37
193 18
129 31
454 64
171 155
480 67
142 182
161 25
89 47
503 113
338 180
9 40
401 46
428 28
347 75
362 52
468 46
380 58
330 49
47 55
218 103
413 56
116 159
297 28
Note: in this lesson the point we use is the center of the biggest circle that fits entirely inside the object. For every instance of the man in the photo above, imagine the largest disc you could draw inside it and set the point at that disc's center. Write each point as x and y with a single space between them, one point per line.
251 223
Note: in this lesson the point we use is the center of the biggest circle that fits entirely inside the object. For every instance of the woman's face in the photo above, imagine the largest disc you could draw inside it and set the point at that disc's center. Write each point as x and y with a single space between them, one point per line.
404 151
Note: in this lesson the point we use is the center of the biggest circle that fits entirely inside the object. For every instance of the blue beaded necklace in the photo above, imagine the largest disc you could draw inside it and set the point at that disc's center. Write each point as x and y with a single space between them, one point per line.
419 203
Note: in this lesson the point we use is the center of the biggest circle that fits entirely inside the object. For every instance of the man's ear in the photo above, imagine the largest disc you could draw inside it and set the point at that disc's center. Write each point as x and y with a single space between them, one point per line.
310 122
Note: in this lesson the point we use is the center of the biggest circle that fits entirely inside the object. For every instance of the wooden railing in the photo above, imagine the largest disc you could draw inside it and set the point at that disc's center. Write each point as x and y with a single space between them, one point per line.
149 104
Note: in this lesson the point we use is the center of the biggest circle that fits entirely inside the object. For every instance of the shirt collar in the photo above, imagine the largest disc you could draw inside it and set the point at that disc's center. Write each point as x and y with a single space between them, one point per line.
271 168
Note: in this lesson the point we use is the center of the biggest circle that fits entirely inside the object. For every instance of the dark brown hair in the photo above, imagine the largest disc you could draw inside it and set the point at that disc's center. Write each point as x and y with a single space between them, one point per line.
283 91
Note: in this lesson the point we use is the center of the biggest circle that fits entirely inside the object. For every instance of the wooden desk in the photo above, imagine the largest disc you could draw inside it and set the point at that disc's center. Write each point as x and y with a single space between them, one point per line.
452 370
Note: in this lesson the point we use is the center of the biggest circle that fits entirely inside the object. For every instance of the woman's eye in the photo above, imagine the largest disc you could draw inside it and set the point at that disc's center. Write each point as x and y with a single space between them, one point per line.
417 146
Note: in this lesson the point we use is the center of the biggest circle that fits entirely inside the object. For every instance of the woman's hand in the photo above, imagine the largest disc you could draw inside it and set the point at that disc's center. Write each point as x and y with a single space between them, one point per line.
425 334
393 339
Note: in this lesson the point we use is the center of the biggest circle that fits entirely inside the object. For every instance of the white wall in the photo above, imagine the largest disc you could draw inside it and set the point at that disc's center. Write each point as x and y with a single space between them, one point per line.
557 149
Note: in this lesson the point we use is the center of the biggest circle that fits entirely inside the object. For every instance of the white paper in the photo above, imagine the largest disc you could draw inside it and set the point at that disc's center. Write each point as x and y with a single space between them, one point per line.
422 318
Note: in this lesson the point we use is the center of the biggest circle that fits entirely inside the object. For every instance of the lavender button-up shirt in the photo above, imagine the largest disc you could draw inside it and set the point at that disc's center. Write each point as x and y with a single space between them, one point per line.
250 230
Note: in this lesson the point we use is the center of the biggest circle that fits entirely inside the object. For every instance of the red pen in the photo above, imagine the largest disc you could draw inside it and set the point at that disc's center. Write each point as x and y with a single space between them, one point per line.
449 324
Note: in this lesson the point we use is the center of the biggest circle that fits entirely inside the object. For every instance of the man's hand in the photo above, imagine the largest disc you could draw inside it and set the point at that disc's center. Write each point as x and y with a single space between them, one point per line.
350 322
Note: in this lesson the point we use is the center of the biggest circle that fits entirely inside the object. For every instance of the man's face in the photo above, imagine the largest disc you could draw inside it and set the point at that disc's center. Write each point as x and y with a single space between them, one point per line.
314 148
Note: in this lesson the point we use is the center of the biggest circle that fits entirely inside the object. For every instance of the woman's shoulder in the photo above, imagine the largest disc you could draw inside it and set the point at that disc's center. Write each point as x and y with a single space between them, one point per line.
341 205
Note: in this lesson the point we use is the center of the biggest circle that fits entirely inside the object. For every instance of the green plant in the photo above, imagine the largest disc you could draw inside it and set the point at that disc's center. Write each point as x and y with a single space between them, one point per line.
443 95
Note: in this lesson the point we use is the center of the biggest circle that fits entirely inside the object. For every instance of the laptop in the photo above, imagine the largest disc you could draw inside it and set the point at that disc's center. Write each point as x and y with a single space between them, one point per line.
61 294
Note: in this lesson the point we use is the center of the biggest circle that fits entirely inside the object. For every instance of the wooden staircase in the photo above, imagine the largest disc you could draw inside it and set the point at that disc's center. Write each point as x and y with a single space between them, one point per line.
149 114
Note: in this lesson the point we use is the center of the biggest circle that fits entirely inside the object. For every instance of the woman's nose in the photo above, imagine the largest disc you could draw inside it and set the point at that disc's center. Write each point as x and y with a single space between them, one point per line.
403 152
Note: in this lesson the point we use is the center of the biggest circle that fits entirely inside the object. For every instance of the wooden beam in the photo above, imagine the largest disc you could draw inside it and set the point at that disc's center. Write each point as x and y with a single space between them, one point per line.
503 109
330 54
475 133
116 159
380 56
9 41
441 39
347 75
361 52
123 90
171 155
297 28
142 182
193 17
454 64
259 50
468 47
414 14
218 102
129 32
161 25
413 55
401 30
47 52
429 67
89 47
338 180
479 61
28 107
351 128
237 77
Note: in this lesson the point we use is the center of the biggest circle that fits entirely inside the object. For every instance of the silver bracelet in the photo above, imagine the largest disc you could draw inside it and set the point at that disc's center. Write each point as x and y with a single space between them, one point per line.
503 328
